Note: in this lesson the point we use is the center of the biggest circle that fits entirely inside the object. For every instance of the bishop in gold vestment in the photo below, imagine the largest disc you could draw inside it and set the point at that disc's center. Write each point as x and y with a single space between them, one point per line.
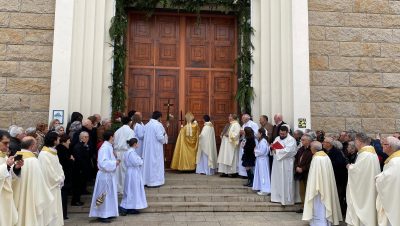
186 145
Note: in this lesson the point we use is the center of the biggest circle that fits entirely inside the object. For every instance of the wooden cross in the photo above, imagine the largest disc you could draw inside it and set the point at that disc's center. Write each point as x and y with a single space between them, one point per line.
181 120
168 105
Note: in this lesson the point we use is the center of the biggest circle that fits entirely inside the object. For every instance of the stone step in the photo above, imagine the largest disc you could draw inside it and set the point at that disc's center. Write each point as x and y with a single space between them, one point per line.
199 189
161 207
216 197
213 181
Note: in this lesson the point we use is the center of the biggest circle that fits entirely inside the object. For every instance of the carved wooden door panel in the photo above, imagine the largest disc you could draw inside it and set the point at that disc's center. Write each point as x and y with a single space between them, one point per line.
183 60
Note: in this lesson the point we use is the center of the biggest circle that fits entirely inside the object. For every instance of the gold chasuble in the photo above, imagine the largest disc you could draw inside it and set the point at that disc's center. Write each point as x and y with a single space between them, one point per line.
186 145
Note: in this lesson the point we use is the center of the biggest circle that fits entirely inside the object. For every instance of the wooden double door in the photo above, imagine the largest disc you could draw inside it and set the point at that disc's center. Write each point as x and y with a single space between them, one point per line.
186 61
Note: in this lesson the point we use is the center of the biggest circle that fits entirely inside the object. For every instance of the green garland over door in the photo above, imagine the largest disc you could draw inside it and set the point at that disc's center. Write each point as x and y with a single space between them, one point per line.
119 25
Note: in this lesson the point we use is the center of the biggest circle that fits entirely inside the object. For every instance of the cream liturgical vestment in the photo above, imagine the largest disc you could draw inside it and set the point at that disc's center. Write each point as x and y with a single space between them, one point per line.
54 176
31 195
387 185
122 135
206 159
321 188
361 192
9 215
282 183
229 151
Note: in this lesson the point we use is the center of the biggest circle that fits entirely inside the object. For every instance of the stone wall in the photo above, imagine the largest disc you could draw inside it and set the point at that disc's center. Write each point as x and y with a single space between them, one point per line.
355 65
26 43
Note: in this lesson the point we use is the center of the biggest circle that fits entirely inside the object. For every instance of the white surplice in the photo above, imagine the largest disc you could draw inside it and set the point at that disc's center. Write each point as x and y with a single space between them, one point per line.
241 169
9 215
121 136
153 153
139 134
262 181
282 183
54 176
229 150
31 195
361 192
321 205
387 185
134 195
106 182
207 154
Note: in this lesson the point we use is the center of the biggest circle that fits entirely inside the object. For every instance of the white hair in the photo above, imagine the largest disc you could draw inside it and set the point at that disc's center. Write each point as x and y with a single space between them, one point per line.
83 133
393 142
30 130
15 131
317 145
337 145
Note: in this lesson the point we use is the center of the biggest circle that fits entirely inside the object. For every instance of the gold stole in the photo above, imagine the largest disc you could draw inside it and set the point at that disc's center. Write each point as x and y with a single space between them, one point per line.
392 156
47 149
369 149
319 153
3 155
26 154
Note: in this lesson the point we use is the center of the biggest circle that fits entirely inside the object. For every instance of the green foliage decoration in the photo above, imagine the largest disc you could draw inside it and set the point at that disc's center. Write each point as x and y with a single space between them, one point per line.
119 25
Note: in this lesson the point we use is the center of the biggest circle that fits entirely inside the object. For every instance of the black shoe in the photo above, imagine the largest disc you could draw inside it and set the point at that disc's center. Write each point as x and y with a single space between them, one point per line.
232 175
66 218
104 220
250 185
133 211
122 211
77 204
224 175
243 177
299 211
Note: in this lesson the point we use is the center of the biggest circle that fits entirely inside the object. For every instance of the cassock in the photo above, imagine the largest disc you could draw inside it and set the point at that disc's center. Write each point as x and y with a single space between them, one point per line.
361 192
262 181
106 183
241 169
139 134
321 205
9 215
229 150
206 159
134 195
122 135
387 185
32 197
153 153
186 146
282 183
54 176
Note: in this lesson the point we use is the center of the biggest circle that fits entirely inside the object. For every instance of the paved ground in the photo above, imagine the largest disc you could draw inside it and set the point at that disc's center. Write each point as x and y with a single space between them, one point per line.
197 219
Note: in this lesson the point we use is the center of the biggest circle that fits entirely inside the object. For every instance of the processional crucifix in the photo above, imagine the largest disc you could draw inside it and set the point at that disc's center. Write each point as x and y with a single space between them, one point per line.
168 105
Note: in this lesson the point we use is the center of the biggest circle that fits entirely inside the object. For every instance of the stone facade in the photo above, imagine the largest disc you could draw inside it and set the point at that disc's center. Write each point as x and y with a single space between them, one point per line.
26 45
355 65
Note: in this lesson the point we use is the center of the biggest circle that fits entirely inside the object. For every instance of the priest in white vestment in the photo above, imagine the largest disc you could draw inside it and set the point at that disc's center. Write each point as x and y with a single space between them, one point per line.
321 205
247 122
53 175
9 215
105 197
32 196
262 180
206 159
138 129
361 191
388 184
153 152
229 150
282 182
134 197
122 135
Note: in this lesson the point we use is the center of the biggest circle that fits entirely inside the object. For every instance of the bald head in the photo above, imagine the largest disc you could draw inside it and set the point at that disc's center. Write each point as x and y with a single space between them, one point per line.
278 118
315 146
29 143
87 123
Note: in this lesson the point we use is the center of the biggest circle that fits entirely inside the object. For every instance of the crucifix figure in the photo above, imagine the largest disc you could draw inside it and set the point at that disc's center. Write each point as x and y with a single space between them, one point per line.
168 105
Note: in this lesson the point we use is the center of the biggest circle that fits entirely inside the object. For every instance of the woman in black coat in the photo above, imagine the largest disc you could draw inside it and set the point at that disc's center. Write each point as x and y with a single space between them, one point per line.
249 158
66 160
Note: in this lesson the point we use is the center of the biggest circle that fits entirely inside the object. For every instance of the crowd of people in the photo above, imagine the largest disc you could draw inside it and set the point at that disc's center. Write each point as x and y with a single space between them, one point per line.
333 176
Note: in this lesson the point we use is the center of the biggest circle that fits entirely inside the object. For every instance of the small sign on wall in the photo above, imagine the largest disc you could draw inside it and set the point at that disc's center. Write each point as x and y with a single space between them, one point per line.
59 114
302 123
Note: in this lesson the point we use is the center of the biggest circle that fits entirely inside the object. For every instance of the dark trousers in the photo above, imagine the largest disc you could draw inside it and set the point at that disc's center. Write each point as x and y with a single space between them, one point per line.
78 186
342 197
64 198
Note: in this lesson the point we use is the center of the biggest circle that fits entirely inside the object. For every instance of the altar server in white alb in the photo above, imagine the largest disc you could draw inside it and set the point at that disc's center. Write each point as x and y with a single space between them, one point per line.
122 135
9 215
153 152
361 192
32 197
262 181
54 176
207 153
282 183
229 150
134 197
388 184
138 128
247 122
321 205
105 197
